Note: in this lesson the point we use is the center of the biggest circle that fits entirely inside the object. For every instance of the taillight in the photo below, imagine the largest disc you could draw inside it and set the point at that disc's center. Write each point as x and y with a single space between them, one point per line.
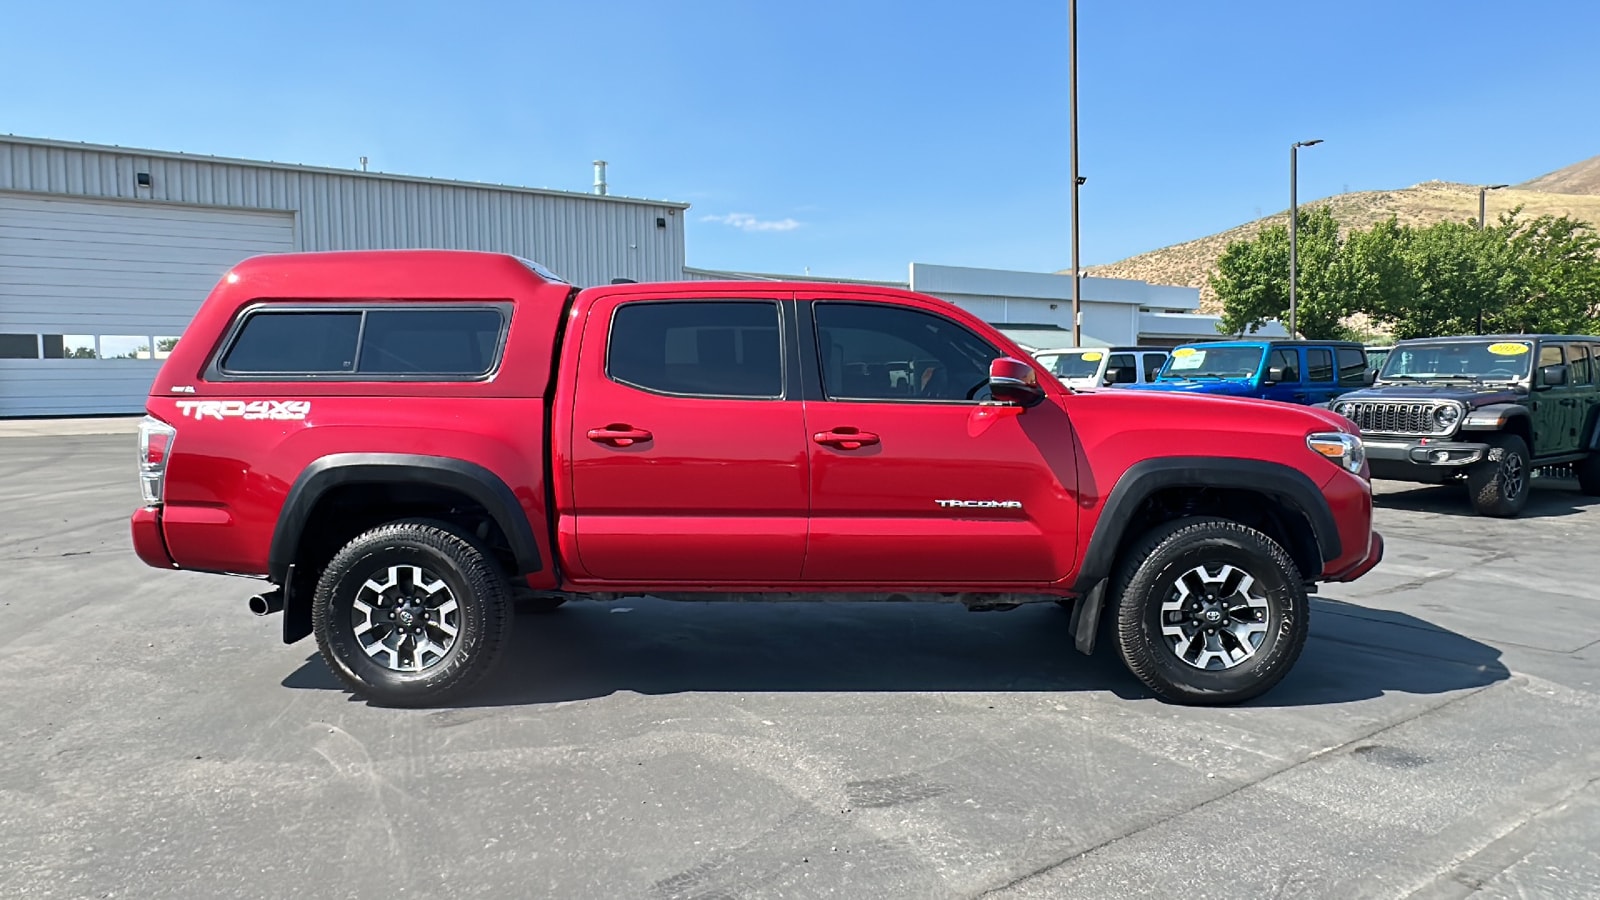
155 448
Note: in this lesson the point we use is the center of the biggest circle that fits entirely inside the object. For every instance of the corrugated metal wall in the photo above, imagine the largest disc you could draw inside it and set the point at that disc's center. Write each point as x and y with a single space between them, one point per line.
583 238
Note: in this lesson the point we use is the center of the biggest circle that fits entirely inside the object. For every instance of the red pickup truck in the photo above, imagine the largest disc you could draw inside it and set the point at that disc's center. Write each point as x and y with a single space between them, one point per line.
408 444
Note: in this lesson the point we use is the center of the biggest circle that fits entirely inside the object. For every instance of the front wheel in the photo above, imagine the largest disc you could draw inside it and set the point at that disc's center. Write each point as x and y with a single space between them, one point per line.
1499 486
1589 474
411 613
1209 612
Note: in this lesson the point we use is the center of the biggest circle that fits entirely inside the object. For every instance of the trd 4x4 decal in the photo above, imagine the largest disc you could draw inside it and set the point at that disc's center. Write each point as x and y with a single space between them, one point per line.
276 410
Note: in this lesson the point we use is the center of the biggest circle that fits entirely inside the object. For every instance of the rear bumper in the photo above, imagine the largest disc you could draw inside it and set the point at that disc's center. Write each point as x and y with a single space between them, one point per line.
148 544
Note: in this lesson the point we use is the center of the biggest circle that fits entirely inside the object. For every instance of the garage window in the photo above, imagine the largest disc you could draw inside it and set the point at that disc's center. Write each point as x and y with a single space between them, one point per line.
19 346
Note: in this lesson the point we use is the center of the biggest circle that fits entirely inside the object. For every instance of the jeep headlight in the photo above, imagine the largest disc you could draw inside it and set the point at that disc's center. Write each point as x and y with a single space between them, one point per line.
1447 417
1344 449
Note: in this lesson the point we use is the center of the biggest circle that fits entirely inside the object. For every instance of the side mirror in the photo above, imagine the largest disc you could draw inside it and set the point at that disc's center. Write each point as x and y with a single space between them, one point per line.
1121 375
1553 376
1014 381
1277 375
1370 377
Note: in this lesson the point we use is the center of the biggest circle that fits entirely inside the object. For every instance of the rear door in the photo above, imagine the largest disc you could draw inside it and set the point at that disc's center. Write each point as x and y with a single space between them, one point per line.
688 456
914 480
1321 381
1352 368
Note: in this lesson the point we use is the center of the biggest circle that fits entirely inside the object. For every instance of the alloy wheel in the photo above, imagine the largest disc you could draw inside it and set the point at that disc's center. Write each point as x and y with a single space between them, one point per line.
1216 617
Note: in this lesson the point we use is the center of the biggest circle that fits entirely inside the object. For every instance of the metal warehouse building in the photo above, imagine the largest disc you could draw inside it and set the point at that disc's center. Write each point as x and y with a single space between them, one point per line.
107 252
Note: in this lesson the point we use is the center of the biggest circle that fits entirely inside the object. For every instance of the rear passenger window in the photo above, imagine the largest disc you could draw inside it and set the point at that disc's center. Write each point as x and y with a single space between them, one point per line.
1319 365
698 348
295 343
1352 366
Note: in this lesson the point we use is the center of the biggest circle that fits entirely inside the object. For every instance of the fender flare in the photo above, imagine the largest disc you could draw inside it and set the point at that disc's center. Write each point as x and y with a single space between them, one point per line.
1494 417
1286 485
322 475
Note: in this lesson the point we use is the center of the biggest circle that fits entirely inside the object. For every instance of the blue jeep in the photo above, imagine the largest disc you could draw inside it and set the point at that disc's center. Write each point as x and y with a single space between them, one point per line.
1305 372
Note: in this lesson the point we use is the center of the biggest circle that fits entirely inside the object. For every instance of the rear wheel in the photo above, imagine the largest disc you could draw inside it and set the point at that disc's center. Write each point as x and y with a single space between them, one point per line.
1209 612
1589 474
411 613
1498 486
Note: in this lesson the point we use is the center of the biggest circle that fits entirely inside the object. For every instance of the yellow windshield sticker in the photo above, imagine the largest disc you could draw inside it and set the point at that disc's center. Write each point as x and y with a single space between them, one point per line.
1093 357
1183 351
1508 349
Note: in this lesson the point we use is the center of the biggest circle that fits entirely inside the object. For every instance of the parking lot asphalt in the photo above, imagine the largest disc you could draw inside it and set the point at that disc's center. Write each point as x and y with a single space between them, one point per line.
1437 739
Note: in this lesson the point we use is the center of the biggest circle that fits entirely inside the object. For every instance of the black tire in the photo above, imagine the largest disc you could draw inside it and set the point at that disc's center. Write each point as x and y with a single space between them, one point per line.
1149 575
1499 486
1588 472
468 575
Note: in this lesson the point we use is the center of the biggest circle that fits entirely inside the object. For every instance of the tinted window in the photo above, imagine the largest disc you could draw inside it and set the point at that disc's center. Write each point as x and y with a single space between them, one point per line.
295 343
1469 359
1352 366
699 348
1152 365
1578 354
880 352
1289 361
1319 364
1129 367
430 342
19 346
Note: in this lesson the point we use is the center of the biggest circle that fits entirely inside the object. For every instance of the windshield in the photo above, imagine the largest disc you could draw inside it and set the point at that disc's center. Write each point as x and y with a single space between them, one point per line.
1478 360
1073 364
1212 362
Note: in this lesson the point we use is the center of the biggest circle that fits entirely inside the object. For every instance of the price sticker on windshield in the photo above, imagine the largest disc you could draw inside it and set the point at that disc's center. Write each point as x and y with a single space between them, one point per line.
1508 349
1093 357
1186 358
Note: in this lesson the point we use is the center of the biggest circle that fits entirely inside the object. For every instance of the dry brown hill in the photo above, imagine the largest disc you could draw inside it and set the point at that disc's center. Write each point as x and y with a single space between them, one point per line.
1191 263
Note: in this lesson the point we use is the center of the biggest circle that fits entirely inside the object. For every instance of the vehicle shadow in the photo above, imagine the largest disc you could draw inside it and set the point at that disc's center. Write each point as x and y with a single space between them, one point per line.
1551 498
588 650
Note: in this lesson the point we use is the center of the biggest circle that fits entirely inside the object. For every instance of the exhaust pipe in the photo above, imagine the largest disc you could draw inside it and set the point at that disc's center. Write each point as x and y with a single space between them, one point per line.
268 603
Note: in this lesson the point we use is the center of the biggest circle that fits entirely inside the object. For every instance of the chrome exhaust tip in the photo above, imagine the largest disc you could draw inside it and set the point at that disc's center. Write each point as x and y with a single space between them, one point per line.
268 603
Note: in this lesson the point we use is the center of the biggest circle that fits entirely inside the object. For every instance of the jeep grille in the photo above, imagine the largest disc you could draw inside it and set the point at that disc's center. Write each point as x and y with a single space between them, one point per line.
1394 417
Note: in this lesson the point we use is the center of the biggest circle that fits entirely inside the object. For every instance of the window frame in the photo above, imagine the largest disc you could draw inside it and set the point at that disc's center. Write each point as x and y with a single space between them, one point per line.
784 380
821 366
214 372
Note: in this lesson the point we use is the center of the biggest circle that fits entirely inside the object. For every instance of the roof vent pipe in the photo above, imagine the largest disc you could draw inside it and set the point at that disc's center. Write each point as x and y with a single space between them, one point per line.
600 177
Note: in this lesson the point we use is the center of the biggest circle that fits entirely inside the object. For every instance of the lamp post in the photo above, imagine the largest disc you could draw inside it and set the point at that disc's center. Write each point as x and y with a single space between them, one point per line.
1294 231
1072 48
1482 193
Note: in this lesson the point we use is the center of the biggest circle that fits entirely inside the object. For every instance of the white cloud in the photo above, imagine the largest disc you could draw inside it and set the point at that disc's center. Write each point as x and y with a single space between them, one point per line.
747 222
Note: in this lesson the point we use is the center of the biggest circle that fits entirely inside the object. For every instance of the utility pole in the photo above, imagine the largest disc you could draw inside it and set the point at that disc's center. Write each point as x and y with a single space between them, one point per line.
1482 193
1294 232
1077 303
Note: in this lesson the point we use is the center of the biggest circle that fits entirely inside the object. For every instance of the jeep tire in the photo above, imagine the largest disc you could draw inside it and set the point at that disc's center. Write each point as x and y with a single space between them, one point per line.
1499 485
1208 611
411 613
1588 471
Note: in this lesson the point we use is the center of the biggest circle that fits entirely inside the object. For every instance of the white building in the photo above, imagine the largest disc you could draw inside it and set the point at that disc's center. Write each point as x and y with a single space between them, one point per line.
107 252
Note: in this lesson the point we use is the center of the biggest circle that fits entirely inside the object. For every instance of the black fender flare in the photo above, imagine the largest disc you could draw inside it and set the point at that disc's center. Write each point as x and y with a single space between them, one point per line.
483 486
1494 417
1288 486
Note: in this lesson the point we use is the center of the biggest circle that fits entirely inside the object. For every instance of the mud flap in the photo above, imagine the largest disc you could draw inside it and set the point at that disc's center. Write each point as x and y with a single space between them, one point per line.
296 609
1086 616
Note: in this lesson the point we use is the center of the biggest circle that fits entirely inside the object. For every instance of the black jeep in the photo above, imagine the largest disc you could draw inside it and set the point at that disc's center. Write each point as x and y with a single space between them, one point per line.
1485 409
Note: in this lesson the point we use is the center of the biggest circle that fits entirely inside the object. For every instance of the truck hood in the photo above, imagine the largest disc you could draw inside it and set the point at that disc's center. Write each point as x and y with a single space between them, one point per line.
1176 408
1473 396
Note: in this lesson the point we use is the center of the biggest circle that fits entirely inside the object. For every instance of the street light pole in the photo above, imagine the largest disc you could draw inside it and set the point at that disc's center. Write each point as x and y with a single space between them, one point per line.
1294 231
1482 193
1072 40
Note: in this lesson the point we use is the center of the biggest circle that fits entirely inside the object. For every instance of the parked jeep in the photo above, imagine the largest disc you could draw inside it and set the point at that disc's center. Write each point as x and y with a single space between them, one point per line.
1304 372
1483 410
400 443
1092 367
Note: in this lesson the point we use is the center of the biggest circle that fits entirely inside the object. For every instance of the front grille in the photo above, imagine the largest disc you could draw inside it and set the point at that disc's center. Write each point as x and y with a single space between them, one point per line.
1391 417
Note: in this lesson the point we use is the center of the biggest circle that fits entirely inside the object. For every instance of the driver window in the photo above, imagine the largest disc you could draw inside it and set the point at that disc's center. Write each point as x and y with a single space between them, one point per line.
873 351
1288 361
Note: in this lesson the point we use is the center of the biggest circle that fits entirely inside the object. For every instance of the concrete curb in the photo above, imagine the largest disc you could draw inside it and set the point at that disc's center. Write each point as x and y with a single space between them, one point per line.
61 427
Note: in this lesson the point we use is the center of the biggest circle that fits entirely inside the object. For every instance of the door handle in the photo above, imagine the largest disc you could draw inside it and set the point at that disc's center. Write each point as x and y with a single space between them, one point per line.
845 438
619 435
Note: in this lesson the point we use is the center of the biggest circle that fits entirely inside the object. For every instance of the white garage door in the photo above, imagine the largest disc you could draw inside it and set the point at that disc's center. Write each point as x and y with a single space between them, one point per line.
94 292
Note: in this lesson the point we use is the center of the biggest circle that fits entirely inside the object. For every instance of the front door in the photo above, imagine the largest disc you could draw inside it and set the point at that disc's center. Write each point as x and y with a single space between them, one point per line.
688 455
1554 431
915 480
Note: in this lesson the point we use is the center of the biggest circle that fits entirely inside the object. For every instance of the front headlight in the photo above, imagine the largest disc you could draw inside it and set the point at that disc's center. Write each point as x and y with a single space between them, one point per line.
1344 449
1447 417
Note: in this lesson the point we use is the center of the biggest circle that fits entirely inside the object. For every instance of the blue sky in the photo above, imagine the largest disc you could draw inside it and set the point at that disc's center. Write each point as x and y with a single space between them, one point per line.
849 138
